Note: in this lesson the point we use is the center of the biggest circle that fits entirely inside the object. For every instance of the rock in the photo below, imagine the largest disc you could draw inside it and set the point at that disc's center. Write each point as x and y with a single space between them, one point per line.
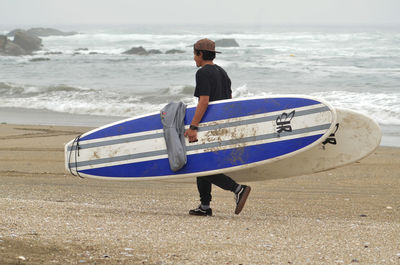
45 32
226 43
137 50
154 52
81 49
7 47
53 53
23 44
174 51
42 32
40 59
12 49
3 41
12 33
27 41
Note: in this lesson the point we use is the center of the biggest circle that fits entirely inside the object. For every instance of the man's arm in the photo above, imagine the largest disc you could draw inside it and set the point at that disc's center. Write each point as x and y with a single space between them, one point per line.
198 115
200 110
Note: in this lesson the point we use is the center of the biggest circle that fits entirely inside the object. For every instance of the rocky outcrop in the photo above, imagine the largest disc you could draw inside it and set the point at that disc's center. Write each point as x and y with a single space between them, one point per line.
226 43
45 32
42 32
137 50
174 51
23 44
12 33
27 41
8 47
53 53
40 59
142 51
155 52
3 41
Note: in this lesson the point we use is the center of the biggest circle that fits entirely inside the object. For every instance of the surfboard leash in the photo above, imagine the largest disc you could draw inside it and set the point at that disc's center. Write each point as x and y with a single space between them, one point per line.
76 141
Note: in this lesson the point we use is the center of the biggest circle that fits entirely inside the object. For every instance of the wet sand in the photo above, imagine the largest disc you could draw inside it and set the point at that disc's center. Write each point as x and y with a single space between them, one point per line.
349 215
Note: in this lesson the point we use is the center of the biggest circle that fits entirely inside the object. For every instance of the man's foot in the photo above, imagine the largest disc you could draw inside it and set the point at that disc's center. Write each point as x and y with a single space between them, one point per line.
201 212
241 198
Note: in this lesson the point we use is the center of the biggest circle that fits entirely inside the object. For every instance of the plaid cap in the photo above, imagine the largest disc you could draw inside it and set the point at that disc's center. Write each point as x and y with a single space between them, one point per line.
205 45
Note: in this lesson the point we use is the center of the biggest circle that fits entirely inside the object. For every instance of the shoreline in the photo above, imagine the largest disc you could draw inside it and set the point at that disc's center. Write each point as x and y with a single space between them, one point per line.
349 215
23 116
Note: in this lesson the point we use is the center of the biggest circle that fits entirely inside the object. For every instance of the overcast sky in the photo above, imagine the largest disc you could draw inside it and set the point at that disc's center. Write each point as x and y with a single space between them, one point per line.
53 12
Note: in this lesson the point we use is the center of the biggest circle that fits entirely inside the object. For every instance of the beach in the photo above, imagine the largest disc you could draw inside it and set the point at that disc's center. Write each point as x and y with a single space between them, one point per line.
349 215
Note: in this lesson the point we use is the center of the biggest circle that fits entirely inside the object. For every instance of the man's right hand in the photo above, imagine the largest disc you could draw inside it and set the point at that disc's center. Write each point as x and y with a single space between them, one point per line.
192 135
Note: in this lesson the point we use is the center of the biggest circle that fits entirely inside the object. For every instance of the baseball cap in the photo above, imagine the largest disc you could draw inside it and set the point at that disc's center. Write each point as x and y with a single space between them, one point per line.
205 45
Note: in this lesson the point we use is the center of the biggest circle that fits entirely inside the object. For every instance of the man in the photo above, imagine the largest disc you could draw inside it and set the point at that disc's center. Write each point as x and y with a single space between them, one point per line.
212 83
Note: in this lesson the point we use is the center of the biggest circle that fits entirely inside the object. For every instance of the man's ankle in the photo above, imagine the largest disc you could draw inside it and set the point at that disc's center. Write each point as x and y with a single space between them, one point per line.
205 206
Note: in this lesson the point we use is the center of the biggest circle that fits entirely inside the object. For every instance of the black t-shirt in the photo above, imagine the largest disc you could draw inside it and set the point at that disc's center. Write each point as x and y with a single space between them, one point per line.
213 81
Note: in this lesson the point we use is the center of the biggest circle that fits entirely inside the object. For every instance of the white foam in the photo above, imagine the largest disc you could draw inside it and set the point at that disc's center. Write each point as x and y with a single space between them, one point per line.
383 107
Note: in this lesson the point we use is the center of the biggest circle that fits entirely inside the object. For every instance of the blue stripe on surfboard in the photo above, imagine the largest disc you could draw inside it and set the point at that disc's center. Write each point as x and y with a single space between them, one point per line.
221 111
214 160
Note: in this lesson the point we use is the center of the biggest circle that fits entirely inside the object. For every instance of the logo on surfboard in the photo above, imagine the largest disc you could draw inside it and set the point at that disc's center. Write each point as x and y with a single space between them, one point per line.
283 122
332 137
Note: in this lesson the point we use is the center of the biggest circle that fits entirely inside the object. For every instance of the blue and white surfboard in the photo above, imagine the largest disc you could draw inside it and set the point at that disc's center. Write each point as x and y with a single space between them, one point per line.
233 135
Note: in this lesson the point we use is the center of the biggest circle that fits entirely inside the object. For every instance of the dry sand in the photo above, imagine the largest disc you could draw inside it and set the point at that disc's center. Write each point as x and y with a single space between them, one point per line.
350 215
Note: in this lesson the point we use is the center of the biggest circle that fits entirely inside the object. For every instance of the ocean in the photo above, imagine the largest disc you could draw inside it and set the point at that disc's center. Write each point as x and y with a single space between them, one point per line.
86 80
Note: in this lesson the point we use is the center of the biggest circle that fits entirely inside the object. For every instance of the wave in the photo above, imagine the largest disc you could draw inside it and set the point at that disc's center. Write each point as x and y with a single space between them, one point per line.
383 107
14 90
81 100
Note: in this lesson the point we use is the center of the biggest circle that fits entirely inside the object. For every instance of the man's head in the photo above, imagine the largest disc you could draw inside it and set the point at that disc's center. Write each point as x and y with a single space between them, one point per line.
204 50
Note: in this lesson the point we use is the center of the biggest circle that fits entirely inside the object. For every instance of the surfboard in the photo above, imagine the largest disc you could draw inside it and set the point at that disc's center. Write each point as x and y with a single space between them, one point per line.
355 137
233 135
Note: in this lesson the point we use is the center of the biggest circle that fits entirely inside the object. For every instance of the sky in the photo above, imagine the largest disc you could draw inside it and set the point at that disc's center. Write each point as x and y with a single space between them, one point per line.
320 12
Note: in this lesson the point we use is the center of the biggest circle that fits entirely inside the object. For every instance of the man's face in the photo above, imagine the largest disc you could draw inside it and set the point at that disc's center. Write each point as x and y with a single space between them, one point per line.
198 58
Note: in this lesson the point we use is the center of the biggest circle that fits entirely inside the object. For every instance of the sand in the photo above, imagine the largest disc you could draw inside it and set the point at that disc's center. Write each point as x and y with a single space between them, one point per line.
349 215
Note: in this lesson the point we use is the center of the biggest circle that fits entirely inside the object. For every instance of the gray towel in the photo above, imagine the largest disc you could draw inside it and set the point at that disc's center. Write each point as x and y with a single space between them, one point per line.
173 120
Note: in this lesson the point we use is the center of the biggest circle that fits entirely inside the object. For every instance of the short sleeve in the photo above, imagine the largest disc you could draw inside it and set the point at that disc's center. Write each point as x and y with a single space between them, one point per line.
203 86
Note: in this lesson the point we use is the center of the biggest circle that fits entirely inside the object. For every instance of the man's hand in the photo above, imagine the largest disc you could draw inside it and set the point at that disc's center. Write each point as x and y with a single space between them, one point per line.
192 135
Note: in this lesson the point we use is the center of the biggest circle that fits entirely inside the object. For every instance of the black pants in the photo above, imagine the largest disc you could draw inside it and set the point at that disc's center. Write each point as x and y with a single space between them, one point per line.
221 180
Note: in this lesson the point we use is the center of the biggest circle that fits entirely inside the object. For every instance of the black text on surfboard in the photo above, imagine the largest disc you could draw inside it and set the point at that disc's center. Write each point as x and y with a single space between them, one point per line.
332 137
283 122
